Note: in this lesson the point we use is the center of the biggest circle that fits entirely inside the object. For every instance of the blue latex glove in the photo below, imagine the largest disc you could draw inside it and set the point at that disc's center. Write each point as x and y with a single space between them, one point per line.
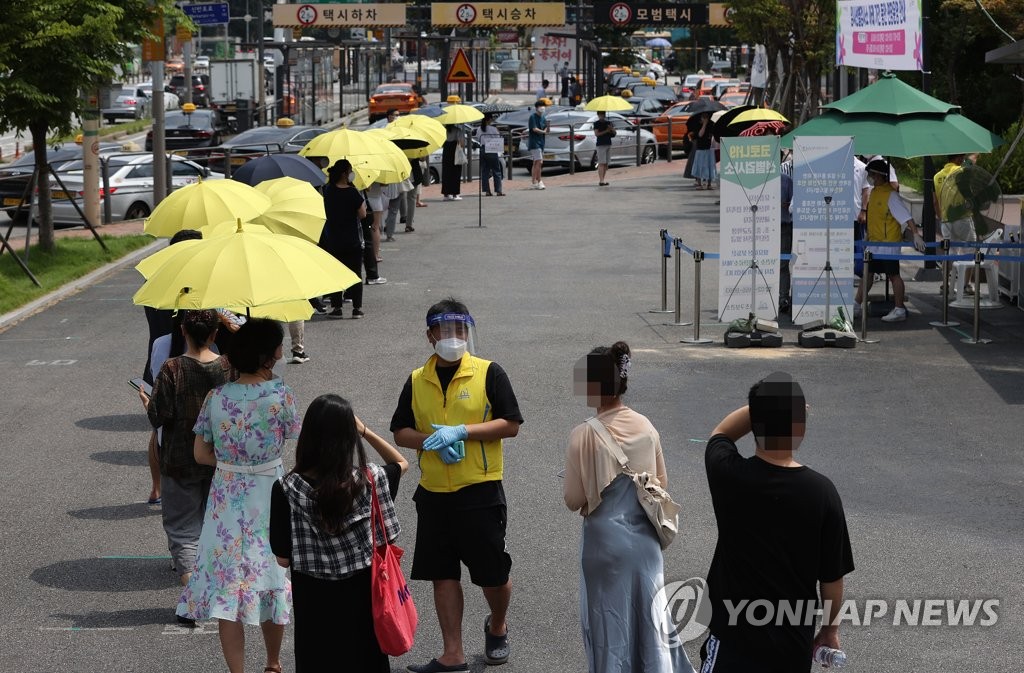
452 454
444 436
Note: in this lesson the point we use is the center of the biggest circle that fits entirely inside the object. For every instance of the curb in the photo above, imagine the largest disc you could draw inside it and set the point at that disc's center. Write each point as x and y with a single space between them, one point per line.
35 306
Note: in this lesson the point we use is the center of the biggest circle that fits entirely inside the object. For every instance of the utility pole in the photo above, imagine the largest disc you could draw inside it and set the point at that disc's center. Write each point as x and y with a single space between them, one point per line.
931 270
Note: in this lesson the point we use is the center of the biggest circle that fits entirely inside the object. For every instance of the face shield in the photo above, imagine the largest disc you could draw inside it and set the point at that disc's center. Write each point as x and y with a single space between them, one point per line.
453 334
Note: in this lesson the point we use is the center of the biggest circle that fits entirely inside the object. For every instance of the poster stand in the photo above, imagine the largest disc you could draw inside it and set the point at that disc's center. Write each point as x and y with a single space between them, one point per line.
753 331
821 333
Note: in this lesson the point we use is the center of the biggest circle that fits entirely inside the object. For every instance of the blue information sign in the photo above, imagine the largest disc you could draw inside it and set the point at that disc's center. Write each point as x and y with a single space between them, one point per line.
207 13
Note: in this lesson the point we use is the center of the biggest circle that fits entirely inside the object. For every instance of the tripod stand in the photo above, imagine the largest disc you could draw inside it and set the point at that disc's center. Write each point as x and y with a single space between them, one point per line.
752 331
820 333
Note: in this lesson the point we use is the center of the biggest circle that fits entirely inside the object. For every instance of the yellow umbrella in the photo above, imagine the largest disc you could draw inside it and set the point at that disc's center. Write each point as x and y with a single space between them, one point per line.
758 114
608 104
205 202
460 114
296 208
148 266
227 228
366 152
287 311
427 128
246 269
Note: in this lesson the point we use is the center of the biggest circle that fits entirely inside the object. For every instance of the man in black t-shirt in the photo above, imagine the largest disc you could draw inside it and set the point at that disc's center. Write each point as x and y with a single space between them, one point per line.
455 411
781 537
603 132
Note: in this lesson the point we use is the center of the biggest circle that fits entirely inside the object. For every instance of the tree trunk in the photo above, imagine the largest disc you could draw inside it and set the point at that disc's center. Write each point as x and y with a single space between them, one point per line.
43 202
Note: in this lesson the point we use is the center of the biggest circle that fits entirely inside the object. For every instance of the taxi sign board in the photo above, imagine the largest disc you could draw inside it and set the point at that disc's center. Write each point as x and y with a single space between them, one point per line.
461 71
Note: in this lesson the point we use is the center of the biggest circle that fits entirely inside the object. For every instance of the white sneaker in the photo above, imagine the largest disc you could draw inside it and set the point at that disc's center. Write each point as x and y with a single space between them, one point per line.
540 185
447 197
456 198
898 314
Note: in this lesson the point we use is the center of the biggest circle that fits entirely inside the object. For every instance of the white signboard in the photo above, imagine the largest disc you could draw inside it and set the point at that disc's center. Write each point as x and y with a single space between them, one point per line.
750 213
882 34
823 215
550 53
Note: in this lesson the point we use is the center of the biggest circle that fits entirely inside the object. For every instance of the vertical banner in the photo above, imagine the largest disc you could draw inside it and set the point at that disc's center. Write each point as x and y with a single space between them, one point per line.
750 177
882 34
822 170
551 52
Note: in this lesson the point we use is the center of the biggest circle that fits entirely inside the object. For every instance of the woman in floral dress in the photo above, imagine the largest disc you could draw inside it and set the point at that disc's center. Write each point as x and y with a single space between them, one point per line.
241 429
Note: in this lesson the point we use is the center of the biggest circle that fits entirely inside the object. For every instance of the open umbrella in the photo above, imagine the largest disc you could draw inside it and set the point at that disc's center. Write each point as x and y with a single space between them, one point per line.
889 95
608 104
702 105
658 43
758 114
244 269
757 122
403 138
205 202
906 136
296 209
373 158
426 128
460 114
274 166
723 118
434 110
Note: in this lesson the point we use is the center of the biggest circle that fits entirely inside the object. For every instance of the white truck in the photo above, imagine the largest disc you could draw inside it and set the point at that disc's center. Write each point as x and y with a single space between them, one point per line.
233 91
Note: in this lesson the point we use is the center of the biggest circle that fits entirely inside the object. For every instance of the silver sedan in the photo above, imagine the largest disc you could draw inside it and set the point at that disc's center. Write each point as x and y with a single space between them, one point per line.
575 128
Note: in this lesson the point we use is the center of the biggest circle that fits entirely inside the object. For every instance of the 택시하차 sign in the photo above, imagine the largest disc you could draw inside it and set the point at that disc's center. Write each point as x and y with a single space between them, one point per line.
207 13
369 15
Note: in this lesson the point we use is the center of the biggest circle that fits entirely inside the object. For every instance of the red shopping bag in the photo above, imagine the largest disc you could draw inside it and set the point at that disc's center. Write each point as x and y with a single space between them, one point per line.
394 613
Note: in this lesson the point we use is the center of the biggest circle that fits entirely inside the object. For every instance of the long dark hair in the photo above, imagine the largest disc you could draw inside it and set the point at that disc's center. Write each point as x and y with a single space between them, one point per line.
605 366
330 449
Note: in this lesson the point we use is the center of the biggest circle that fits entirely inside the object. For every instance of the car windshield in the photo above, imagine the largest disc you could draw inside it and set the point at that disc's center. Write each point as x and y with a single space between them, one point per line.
266 134
392 89
678 110
196 119
114 163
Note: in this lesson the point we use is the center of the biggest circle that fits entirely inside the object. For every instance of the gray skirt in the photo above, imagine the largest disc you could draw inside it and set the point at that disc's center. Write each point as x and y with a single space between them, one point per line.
622 570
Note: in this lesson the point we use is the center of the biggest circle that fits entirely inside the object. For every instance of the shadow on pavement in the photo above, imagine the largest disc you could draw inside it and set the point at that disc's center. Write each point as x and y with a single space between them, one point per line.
107 575
134 510
127 458
115 423
119 618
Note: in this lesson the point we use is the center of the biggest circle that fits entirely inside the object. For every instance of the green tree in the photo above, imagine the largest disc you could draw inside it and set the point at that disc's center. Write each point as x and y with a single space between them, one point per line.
50 52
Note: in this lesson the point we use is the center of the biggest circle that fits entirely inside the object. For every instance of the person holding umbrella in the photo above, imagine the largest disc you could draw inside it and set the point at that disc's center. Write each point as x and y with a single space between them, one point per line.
704 157
603 131
343 231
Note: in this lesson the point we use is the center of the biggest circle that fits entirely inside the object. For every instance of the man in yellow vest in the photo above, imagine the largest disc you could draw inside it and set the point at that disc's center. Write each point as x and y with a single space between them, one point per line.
887 217
455 411
954 226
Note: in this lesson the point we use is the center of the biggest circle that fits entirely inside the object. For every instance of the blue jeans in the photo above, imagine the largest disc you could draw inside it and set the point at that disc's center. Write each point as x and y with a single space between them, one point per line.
491 165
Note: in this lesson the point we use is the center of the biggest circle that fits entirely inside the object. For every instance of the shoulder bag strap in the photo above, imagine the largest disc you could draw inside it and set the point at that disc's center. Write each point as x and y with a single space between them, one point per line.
609 441
375 514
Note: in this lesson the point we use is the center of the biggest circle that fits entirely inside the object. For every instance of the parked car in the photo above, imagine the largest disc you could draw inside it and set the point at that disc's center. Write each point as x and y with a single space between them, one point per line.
678 113
171 100
184 130
645 110
661 92
517 122
584 142
733 99
174 65
130 177
398 96
200 89
511 65
131 103
688 87
263 140
646 65
15 176
201 62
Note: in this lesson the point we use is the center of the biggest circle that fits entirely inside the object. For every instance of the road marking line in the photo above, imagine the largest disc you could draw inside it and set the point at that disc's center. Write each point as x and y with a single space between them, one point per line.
86 628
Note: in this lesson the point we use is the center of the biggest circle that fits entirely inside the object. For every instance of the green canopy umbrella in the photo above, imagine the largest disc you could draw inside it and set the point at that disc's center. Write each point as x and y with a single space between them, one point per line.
906 136
892 97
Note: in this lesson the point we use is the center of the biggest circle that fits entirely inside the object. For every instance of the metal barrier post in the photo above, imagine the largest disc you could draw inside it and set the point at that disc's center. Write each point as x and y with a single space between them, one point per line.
511 153
572 150
668 156
637 142
664 275
979 257
678 246
108 212
698 257
864 299
945 290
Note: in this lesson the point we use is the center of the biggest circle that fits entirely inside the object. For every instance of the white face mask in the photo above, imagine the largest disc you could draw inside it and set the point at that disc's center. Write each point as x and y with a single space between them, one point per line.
451 350
351 178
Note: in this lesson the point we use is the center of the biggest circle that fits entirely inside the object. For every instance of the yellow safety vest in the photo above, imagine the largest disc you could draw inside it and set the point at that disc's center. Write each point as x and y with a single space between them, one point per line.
948 198
464 402
882 226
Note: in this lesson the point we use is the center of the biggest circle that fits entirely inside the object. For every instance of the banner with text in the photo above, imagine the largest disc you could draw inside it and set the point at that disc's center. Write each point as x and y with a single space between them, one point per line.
371 15
750 210
650 14
882 34
823 215
551 52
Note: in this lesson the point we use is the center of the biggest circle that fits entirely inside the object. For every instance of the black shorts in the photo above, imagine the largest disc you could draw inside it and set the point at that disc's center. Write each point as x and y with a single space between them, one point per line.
890 267
719 658
447 539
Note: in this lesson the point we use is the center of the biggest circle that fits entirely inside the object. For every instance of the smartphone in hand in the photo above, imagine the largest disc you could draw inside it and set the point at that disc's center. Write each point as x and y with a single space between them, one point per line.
140 384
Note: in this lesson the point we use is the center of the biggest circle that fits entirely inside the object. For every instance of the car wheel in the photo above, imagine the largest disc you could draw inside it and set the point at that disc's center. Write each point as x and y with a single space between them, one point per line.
137 211
649 155
435 177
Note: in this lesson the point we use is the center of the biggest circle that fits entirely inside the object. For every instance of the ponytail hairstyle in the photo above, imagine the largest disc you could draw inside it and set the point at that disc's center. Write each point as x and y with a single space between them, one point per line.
609 366
330 449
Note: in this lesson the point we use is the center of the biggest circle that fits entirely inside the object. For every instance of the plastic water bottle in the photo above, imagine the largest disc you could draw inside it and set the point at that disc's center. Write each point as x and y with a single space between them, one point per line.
829 657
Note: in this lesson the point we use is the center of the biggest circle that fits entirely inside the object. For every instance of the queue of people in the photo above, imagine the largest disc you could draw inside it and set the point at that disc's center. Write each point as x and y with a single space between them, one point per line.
256 542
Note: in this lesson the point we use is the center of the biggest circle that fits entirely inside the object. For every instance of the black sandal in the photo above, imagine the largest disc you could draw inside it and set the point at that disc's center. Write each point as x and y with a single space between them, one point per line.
496 648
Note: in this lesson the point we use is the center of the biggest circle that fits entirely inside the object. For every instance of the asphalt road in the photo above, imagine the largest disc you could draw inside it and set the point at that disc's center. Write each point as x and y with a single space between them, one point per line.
920 433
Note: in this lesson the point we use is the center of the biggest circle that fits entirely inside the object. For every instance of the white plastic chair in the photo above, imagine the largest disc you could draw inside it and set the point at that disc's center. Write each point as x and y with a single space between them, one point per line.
988 266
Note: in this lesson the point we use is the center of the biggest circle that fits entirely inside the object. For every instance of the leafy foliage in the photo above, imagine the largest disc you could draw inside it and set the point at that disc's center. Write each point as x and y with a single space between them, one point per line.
1011 177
